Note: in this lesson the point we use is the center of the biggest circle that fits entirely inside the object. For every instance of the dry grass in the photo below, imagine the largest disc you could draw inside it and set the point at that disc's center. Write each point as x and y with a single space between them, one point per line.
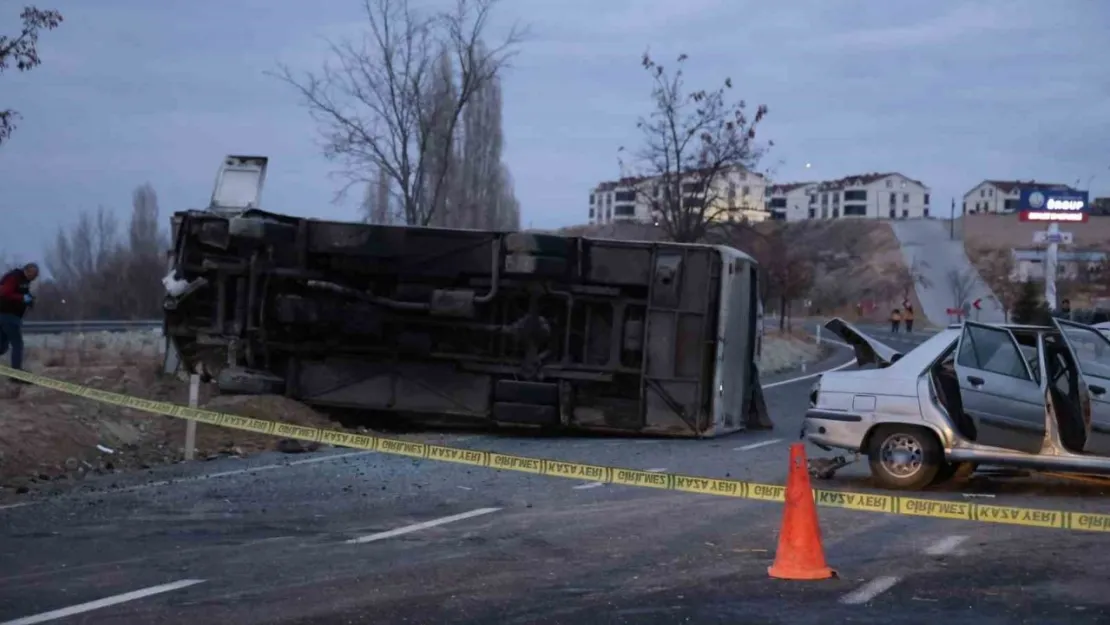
785 350
45 434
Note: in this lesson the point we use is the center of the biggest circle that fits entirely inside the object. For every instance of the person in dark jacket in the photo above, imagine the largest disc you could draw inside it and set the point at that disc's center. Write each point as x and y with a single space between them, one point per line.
15 299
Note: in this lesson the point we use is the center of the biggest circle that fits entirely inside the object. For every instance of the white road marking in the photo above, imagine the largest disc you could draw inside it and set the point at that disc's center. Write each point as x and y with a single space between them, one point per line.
588 485
16 505
660 470
945 545
758 445
103 603
812 375
879 585
869 591
416 527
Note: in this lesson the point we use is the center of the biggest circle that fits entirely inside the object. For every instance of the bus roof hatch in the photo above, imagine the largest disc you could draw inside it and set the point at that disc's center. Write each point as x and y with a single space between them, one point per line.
239 184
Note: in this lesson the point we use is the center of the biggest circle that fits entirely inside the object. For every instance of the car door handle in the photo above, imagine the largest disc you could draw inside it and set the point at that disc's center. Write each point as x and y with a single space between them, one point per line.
1097 390
975 380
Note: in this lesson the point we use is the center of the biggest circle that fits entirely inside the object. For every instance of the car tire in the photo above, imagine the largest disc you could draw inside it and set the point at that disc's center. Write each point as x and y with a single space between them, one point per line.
904 457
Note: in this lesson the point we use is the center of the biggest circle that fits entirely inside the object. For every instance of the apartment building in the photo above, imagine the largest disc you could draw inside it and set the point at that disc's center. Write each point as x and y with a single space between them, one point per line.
874 196
790 201
1002 196
740 194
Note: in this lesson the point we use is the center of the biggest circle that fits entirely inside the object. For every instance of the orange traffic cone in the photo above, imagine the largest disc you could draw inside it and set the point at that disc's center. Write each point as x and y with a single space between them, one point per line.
800 554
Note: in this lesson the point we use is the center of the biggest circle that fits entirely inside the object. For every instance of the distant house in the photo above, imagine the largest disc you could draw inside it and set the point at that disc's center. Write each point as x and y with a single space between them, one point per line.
1002 196
1100 206
790 201
739 195
870 196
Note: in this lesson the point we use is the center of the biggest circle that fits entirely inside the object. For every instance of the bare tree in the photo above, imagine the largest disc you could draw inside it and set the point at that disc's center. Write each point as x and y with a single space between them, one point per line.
899 280
374 103
142 261
693 142
22 50
831 263
483 194
788 273
787 268
378 205
960 284
999 271
94 273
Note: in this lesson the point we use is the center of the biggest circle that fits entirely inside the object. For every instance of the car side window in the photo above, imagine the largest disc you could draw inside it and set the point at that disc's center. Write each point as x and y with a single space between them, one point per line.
1091 348
991 349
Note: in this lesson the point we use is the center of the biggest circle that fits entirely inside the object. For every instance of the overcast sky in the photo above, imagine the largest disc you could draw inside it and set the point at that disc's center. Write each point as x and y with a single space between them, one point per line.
949 92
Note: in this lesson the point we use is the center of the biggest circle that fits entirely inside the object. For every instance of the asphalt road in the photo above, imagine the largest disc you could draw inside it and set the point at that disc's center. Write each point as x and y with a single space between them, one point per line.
351 537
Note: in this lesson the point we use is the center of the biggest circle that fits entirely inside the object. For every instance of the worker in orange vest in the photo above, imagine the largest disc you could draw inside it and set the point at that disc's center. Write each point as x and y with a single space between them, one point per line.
907 317
895 320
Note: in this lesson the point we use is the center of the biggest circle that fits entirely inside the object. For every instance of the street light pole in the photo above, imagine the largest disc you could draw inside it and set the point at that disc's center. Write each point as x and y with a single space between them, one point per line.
952 221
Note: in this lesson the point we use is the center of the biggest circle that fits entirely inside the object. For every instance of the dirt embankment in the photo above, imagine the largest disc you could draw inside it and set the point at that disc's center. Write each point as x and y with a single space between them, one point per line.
1008 232
783 351
46 435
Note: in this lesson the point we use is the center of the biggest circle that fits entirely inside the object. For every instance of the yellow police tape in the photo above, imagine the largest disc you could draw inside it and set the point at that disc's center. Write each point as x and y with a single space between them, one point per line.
889 504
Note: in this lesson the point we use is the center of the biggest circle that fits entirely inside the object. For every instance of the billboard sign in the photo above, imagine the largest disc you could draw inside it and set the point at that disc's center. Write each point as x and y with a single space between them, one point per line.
1054 205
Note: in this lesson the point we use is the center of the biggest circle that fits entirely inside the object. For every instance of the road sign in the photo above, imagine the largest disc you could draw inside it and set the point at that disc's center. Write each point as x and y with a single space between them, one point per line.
954 311
1045 237
976 304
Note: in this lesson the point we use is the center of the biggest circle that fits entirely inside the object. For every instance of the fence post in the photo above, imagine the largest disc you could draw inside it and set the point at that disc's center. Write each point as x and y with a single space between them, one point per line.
818 335
191 424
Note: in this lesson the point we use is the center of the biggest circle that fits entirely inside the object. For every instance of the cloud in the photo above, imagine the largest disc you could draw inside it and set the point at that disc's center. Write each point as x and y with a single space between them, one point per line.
958 23
948 92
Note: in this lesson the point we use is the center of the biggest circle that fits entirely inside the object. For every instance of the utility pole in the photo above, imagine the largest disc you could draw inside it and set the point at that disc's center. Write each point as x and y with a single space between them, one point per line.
1050 265
952 221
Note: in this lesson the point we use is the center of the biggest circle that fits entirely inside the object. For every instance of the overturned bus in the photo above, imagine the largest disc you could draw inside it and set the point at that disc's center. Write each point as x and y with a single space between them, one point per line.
468 327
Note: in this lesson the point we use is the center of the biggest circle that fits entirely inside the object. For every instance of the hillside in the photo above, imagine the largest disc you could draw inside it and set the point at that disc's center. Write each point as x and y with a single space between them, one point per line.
1006 231
988 240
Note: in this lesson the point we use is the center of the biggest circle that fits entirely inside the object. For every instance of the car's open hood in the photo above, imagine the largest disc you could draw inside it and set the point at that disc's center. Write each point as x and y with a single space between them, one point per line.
868 350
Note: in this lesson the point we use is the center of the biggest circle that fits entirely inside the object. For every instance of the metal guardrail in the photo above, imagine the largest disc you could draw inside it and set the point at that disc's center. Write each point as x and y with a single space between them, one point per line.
67 327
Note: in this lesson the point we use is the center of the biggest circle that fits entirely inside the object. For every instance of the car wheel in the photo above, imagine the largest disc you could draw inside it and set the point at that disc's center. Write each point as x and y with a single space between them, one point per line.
904 457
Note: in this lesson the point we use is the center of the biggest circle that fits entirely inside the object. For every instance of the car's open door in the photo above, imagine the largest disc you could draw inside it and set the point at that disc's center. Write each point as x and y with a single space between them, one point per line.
1091 350
868 350
998 389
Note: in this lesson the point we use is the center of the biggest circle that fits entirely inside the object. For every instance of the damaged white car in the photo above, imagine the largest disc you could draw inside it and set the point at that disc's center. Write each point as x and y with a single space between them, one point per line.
974 394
